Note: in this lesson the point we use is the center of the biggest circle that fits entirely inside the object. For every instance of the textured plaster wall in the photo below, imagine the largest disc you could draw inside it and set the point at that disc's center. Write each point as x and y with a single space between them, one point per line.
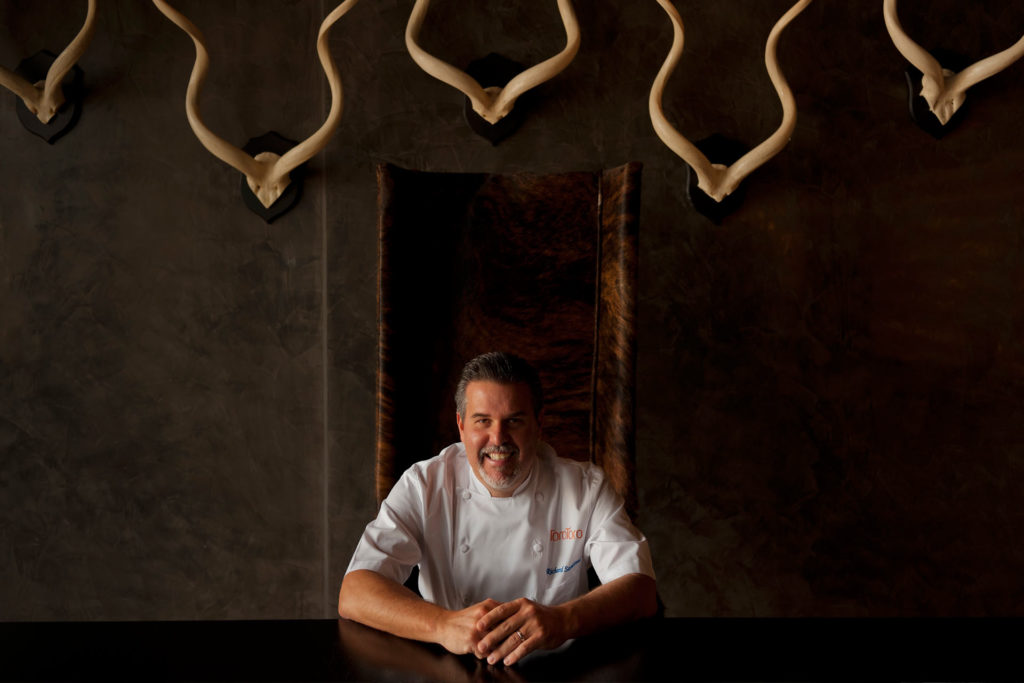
830 383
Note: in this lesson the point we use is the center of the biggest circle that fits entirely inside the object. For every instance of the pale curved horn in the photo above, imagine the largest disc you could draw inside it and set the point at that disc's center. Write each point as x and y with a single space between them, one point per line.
44 100
493 103
717 180
267 173
944 96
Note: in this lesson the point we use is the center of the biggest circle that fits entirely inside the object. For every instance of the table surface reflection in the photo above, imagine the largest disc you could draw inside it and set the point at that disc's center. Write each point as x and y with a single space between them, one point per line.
659 649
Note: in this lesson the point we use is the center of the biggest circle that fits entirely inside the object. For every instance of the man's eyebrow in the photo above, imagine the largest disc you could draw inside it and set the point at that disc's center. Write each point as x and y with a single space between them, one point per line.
518 413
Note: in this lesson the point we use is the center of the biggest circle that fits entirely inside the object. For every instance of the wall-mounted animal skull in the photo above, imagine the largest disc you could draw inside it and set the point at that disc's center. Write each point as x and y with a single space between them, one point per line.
944 90
45 97
267 173
719 180
493 103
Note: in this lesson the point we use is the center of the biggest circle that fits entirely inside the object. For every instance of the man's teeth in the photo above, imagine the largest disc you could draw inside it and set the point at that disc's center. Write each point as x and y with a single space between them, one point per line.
498 456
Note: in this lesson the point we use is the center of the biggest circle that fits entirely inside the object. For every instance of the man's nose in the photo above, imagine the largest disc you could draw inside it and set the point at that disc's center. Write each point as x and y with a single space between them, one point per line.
498 433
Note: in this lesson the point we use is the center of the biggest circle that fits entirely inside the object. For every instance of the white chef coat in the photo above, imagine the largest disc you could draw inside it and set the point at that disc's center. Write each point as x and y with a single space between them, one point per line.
537 543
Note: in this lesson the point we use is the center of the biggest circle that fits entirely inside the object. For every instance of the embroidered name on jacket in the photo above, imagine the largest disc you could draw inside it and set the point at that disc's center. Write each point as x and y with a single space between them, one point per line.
566 568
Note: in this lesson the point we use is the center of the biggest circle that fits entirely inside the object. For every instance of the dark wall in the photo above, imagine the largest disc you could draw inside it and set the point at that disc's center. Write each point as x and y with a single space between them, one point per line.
830 383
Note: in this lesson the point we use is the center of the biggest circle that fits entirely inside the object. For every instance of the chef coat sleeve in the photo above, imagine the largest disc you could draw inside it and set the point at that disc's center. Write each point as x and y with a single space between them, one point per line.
391 544
616 546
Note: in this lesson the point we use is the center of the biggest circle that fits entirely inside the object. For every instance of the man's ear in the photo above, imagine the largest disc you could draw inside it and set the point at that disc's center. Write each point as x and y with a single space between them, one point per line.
458 420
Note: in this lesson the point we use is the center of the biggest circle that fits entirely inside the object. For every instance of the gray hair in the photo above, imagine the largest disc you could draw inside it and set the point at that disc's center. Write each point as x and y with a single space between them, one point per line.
503 368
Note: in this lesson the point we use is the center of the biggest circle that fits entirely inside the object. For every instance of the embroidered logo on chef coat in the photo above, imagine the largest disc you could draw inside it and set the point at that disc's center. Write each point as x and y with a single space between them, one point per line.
566 534
565 569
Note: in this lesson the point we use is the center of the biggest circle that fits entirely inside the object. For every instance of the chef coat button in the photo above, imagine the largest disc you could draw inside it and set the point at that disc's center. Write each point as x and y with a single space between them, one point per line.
537 547
464 548
540 497
466 495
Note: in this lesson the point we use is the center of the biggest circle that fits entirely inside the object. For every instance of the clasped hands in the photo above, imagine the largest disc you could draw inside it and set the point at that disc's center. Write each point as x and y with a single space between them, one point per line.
504 632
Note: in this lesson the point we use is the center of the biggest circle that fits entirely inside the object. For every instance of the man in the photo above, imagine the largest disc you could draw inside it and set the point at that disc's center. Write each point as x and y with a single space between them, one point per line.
503 532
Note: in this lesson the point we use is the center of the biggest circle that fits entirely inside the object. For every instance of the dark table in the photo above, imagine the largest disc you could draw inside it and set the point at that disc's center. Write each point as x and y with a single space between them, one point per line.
659 649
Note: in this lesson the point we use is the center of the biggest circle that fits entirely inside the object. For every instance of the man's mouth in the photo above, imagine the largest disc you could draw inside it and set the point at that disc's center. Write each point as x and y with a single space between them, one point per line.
498 454
500 466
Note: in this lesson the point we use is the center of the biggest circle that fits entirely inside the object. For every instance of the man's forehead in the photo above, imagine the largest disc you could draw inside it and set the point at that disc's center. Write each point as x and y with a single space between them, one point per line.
485 394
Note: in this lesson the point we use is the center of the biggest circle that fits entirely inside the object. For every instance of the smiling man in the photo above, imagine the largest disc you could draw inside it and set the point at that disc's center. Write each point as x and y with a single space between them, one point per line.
503 532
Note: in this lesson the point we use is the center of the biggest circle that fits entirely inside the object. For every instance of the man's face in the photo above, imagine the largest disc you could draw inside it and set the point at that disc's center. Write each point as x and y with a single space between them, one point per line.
501 434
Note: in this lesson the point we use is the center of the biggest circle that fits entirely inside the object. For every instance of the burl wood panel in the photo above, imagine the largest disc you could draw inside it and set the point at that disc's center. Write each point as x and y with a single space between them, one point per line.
543 266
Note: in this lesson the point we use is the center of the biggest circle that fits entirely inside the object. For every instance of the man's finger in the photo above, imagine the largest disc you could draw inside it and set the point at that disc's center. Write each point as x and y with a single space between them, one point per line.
502 632
511 649
497 615
518 653
487 605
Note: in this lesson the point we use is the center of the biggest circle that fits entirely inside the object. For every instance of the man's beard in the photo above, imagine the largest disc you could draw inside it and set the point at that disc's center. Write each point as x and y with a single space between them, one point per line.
505 480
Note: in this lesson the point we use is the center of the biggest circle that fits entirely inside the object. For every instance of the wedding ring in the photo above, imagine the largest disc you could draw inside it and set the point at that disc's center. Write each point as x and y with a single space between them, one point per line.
521 636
